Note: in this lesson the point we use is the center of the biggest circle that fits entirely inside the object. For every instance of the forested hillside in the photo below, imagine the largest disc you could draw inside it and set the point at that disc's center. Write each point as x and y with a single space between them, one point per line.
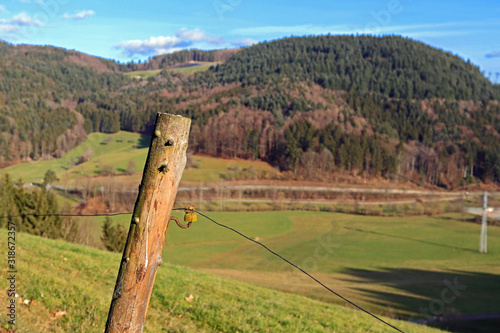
316 106
39 88
393 67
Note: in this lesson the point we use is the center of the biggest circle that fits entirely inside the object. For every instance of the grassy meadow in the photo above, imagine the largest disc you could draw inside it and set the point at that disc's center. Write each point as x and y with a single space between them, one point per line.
117 150
112 149
395 266
188 70
55 276
143 74
399 267
202 66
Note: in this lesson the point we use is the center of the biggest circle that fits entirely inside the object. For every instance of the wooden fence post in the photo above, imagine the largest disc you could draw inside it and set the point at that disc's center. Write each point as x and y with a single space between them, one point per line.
142 255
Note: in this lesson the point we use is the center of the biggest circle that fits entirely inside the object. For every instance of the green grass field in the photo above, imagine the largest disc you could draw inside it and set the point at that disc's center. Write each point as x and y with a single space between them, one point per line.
391 265
117 150
210 169
57 276
143 74
194 69
397 266
113 149
203 66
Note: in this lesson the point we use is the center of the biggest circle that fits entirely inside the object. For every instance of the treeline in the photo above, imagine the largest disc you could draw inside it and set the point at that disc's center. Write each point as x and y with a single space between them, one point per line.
431 141
38 90
34 210
377 105
99 119
392 66
321 153
27 205
39 131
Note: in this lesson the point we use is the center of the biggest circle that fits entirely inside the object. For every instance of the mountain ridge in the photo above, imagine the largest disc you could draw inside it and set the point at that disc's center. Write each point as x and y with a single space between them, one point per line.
362 104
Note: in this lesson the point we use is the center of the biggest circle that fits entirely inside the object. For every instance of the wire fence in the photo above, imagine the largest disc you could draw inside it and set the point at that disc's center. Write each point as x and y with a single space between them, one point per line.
240 234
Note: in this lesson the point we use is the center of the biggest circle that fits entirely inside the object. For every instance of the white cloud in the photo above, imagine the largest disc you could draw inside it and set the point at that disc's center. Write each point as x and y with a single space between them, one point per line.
11 28
245 42
197 35
20 20
3 9
80 15
8 28
182 39
151 46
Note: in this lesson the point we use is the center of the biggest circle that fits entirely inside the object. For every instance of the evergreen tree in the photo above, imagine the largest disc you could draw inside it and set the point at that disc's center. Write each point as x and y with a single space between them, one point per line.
50 177
113 237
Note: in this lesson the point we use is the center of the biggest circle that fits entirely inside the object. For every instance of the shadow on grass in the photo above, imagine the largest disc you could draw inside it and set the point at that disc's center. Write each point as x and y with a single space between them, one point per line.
144 141
411 239
469 326
444 299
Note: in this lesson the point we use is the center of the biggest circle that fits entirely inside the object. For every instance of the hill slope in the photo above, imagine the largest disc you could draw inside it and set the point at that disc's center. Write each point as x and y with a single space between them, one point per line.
391 66
57 276
38 92
316 106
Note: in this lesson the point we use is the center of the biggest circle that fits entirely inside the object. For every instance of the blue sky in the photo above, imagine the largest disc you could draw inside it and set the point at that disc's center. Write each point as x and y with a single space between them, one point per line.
136 30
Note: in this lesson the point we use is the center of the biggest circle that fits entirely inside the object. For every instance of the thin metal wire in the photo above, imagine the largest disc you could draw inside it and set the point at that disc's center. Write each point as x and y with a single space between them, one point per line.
300 269
239 233
63 215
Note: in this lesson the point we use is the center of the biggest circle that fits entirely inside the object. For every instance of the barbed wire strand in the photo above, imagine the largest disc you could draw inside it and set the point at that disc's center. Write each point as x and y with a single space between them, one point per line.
63 215
242 235
300 269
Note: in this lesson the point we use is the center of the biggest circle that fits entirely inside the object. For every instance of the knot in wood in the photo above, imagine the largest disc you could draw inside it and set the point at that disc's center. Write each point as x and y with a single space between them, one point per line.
163 168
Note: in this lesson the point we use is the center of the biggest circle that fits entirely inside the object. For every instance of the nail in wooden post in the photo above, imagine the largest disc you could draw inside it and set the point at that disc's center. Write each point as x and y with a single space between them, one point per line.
142 255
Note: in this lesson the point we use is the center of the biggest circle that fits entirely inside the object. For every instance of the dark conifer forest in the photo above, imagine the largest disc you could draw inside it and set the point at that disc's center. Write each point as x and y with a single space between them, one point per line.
314 106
